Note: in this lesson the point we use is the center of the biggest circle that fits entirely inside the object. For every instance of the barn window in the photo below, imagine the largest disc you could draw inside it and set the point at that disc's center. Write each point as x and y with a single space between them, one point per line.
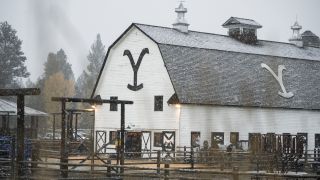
234 138
157 139
112 137
113 106
158 103
195 139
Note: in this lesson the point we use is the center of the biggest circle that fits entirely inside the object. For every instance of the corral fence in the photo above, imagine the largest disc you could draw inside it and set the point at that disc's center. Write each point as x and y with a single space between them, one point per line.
183 163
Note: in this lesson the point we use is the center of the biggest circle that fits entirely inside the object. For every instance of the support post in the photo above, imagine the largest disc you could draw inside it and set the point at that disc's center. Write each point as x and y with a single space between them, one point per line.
71 125
166 170
13 154
235 173
192 158
122 137
158 162
63 150
33 128
76 127
54 127
20 135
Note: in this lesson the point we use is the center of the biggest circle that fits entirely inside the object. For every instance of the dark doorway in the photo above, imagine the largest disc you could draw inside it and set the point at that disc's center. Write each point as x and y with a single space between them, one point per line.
133 144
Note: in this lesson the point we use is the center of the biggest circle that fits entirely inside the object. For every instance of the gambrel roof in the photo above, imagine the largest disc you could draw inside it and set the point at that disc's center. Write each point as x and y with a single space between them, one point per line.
216 69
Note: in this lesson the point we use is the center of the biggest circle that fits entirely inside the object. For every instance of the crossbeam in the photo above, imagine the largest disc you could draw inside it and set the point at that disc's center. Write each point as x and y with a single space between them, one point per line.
22 91
90 101
79 111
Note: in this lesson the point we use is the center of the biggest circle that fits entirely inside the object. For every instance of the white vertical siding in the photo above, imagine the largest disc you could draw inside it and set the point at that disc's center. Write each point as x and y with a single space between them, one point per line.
244 120
152 73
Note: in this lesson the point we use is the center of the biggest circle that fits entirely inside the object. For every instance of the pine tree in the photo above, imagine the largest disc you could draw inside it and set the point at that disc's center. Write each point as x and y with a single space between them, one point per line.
58 63
12 58
86 81
95 57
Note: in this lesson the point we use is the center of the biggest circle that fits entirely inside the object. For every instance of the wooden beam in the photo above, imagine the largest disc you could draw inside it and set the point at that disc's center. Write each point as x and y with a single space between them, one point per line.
78 111
91 101
22 91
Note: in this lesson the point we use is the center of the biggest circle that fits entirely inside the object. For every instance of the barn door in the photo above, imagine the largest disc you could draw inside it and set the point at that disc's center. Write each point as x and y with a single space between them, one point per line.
168 140
146 143
101 139
133 144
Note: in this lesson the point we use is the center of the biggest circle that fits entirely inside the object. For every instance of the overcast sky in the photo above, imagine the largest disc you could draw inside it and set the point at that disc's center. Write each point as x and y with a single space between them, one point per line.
47 25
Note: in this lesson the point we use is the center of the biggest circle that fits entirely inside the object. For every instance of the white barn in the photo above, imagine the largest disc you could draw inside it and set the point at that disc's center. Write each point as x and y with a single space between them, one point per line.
203 86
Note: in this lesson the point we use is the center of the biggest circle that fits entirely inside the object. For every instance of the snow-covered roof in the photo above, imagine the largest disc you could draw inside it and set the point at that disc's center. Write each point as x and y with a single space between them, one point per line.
241 21
214 69
164 35
308 33
9 106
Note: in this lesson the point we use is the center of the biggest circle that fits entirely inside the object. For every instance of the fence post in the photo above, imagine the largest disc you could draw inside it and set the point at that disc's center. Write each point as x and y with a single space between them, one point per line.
166 171
109 168
13 149
185 153
158 162
235 173
192 158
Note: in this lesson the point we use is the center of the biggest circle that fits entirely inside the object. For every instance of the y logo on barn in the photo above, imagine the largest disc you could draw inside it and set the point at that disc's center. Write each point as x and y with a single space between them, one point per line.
278 77
135 68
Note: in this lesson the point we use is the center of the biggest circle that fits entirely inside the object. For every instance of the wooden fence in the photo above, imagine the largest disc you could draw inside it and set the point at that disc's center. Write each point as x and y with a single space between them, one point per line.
185 162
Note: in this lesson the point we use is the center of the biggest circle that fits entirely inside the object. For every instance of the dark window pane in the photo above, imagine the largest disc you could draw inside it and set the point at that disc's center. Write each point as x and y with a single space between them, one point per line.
113 106
195 139
234 138
158 103
157 139
112 137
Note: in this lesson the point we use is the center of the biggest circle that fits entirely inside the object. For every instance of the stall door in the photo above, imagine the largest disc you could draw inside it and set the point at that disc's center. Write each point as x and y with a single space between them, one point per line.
146 143
133 144
168 140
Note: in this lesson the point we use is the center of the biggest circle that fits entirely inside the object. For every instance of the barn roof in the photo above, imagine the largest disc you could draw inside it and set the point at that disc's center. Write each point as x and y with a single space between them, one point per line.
9 106
218 70
241 21
164 35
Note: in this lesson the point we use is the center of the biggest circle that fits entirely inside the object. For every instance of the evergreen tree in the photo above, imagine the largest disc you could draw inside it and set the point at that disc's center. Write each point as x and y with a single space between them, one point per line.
12 59
58 63
95 57
86 81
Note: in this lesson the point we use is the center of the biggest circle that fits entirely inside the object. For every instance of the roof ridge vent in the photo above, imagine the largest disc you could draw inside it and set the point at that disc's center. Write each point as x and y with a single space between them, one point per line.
244 30
181 23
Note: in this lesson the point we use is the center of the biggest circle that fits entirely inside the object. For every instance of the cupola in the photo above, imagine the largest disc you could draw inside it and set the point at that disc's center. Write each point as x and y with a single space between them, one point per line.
244 30
296 36
180 23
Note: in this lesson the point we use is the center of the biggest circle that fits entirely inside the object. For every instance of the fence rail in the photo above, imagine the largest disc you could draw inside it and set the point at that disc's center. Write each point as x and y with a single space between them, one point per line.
186 162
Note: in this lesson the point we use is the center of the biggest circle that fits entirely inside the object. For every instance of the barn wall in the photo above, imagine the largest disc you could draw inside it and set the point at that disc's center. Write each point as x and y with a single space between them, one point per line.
209 119
118 73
